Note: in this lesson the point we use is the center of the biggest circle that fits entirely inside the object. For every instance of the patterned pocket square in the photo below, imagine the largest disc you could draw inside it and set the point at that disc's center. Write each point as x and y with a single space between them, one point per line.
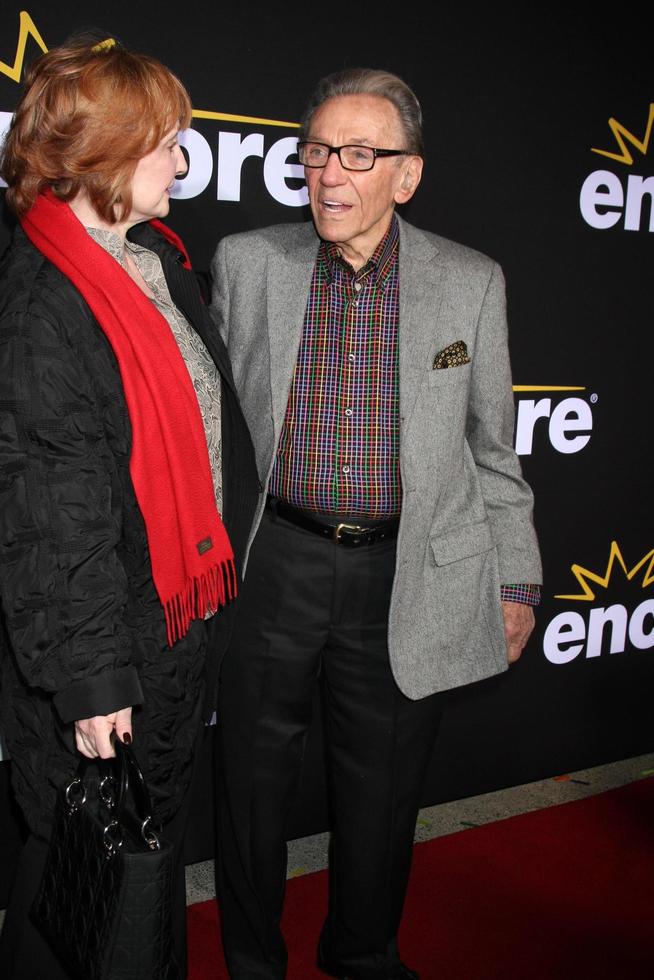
452 356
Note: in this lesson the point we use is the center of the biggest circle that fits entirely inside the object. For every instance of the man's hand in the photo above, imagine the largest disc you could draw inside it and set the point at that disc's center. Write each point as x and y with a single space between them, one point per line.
92 735
519 622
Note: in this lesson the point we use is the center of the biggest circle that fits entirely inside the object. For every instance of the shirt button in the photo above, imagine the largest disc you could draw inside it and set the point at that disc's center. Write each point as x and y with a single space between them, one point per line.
351 358
346 468
348 412
357 286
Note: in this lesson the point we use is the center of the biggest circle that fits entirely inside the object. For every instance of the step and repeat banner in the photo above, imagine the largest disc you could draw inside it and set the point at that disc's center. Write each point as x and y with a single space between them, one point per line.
540 152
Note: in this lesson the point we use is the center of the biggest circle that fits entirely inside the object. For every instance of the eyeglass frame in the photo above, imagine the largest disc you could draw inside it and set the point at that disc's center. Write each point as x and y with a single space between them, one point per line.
376 151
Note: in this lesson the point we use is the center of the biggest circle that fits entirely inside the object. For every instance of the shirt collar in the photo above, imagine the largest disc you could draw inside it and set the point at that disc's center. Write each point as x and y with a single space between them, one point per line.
379 265
113 243
110 242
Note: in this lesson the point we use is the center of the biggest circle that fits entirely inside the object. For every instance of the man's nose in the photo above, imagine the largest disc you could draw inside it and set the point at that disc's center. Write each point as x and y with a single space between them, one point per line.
333 171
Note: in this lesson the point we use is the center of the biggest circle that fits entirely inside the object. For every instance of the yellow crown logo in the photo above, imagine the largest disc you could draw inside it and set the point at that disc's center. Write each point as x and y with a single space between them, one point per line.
26 29
584 576
621 134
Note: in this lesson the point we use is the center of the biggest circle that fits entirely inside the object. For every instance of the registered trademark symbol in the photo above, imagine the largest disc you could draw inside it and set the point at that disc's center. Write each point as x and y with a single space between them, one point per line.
594 398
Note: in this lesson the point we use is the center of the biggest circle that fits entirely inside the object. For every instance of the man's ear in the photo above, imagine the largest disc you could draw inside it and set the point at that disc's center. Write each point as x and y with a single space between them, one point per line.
411 174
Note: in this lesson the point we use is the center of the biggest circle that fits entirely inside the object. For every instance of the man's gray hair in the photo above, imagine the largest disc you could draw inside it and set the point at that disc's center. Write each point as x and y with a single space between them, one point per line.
371 81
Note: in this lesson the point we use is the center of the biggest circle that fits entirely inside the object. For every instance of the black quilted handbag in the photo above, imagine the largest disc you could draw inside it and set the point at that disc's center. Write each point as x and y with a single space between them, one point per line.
104 903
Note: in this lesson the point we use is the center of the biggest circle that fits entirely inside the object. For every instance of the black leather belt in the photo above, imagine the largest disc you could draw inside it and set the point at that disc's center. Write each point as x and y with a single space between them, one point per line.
345 533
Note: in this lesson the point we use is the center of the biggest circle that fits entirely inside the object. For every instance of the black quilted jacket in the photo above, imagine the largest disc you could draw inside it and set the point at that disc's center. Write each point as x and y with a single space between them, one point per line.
81 628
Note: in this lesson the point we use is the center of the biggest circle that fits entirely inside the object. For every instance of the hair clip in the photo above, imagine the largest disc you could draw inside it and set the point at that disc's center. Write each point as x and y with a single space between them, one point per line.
109 42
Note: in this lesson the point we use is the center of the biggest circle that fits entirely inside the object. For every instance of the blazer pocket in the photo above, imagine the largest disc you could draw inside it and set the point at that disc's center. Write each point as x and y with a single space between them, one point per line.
462 542
450 375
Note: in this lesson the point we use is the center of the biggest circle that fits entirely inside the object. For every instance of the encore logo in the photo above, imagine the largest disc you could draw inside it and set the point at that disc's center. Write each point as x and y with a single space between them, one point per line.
222 152
600 629
606 198
567 418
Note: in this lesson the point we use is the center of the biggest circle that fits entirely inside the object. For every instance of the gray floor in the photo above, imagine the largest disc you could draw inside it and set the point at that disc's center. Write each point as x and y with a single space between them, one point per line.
310 853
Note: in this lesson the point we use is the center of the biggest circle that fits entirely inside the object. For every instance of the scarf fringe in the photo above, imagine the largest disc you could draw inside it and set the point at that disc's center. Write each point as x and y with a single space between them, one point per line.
205 593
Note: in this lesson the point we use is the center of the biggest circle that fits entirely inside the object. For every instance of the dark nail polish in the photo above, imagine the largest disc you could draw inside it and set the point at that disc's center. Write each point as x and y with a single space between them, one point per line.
127 738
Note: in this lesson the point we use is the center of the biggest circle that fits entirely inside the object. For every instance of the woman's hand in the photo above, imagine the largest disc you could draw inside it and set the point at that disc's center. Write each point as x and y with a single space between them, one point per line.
92 735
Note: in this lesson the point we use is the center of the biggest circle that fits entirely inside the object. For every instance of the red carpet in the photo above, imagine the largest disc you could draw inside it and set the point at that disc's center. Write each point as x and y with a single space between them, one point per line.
564 892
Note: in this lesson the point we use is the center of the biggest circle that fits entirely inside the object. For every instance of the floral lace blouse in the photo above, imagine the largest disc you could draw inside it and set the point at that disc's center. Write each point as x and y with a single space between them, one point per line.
201 368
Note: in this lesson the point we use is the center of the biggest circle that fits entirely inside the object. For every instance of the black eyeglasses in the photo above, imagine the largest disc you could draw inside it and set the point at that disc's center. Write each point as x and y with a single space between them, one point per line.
352 157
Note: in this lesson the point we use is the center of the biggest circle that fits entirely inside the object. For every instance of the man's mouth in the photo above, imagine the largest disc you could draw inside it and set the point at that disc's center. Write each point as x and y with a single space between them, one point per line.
335 207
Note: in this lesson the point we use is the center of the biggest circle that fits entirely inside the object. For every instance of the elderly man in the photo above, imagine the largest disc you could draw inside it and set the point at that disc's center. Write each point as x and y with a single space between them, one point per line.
393 556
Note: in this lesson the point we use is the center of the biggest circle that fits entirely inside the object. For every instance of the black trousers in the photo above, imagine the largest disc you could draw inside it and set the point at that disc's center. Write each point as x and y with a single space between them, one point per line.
311 612
24 955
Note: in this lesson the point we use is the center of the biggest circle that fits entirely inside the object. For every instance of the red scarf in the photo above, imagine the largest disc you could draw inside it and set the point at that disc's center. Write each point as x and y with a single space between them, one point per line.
191 556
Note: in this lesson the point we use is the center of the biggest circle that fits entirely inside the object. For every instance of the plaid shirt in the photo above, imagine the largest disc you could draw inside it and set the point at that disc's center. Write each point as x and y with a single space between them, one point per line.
339 450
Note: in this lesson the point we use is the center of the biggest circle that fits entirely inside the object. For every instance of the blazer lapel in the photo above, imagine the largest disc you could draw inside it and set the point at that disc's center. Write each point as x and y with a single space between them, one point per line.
421 291
422 282
289 280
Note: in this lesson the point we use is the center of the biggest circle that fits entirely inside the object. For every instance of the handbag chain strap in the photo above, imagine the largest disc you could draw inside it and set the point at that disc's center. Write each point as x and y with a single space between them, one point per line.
122 781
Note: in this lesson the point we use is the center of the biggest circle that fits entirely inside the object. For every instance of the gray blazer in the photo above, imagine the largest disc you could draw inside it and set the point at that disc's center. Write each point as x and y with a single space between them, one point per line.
466 523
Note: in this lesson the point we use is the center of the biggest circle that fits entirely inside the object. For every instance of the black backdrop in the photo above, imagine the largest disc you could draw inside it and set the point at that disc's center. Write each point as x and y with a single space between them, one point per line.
515 105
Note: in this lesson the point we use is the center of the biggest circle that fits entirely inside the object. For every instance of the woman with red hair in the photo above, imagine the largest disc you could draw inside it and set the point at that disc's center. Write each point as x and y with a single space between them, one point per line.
128 478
